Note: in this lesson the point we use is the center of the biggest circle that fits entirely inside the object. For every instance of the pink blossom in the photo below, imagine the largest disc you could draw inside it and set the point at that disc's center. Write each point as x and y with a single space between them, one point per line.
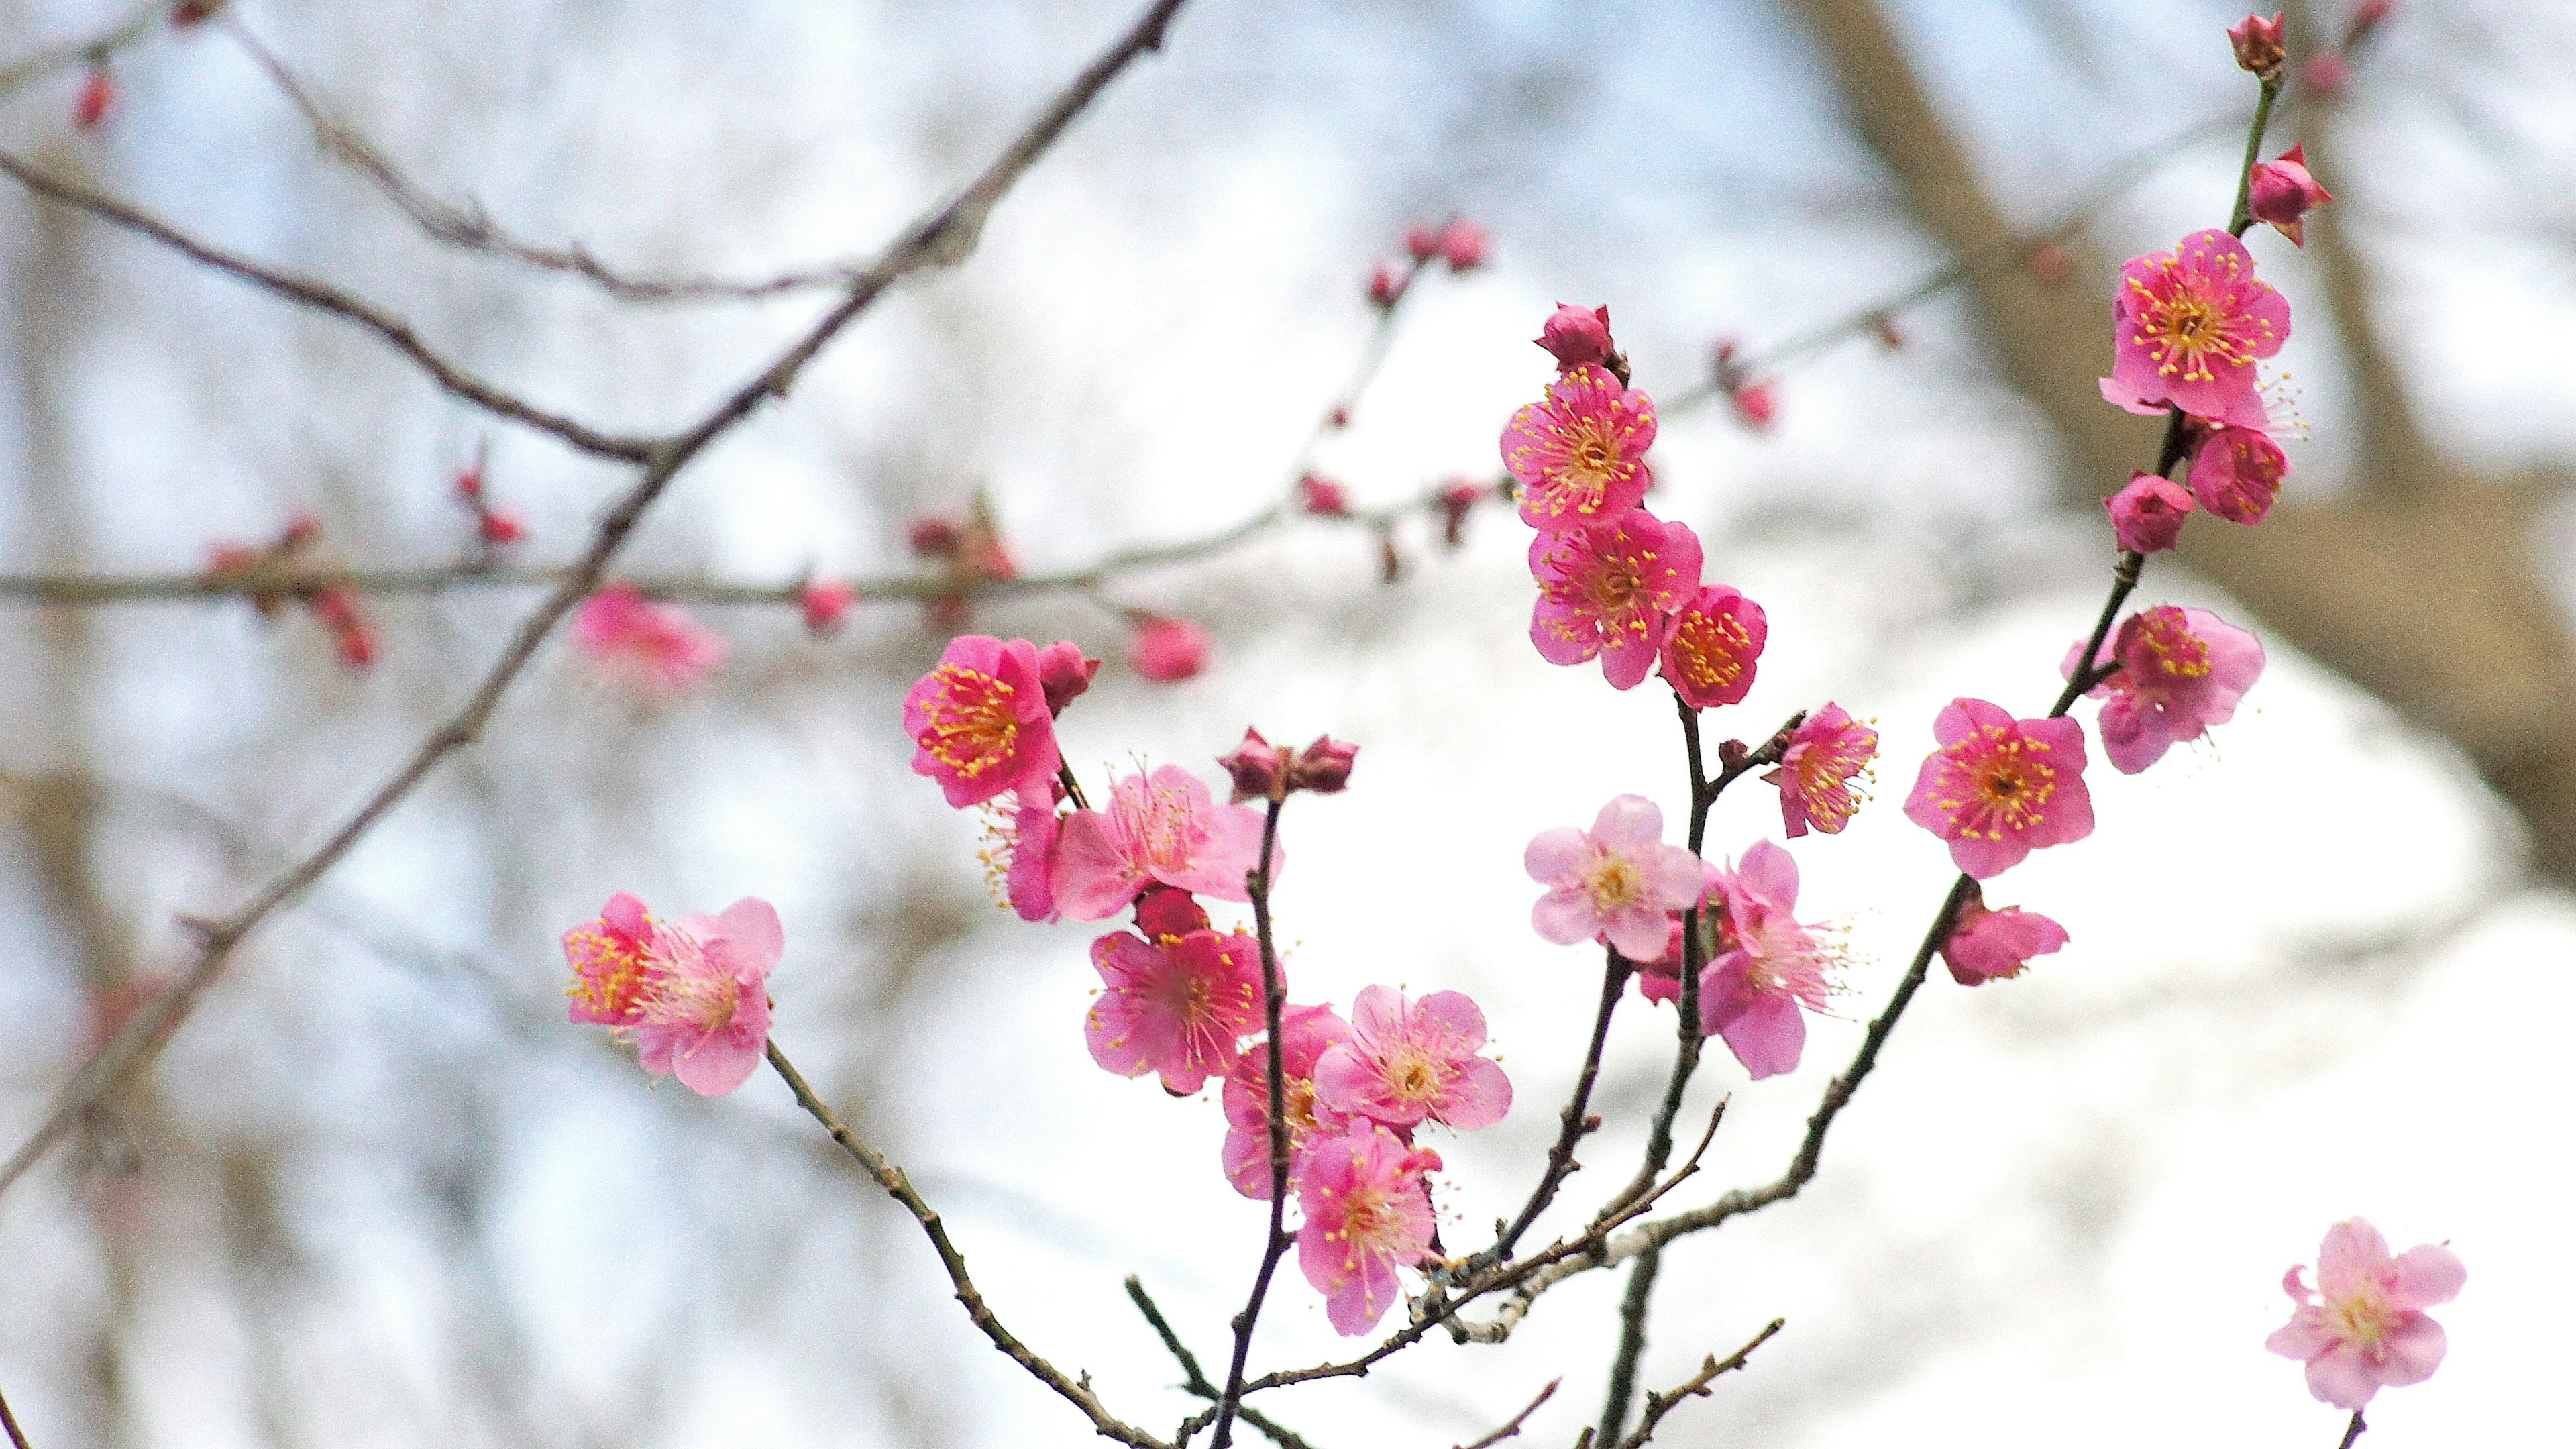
2181 671
608 959
981 721
1577 338
824 605
1462 245
693 994
1407 1061
1177 1005
649 647
2192 321
1609 591
2363 1327
2237 474
1163 827
1826 752
1580 452
1615 880
1304 1034
1757 403
1756 992
2147 515
1168 650
1368 1212
1994 945
2325 73
1710 648
1323 497
1258 768
1998 787
1020 858
2281 193
2258 47
1386 286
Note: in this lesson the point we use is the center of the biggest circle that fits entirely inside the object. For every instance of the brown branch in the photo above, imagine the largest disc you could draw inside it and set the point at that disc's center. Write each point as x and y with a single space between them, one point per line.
944 235
1696 1386
2352 1430
1197 1381
144 20
890 1177
1513 1425
1275 1245
1633 1307
18 1436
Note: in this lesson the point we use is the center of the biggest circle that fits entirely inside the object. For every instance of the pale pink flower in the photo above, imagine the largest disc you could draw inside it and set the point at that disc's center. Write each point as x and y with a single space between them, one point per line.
2281 193
1576 338
1305 1032
1163 827
2237 473
1168 650
1019 859
2147 515
692 994
1407 1061
2192 321
1609 591
981 721
644 645
1616 880
1368 1212
2181 671
2363 1327
1580 452
1711 646
1994 945
1178 1005
1998 787
1757 991
1826 752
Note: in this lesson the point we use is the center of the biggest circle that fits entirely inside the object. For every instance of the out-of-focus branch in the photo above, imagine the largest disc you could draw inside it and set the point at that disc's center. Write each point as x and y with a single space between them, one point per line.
1696 1386
1634 1306
145 19
9 1421
1196 1380
1512 1426
944 235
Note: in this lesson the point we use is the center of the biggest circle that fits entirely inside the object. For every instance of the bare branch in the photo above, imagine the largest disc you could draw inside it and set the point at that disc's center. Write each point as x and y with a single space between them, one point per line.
1197 1381
143 20
1513 1426
1696 1386
18 1436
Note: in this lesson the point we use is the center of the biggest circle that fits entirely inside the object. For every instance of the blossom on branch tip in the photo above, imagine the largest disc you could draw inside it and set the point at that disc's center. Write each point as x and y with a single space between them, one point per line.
1617 880
1711 646
2180 671
2363 1327
1580 452
1995 945
1367 1207
2281 193
981 721
1825 753
1305 1032
1410 1061
1324 767
1998 788
1462 245
97 97
1323 497
649 647
1610 592
1168 651
1164 827
2147 515
1576 337
824 604
1064 673
1258 768
1176 1005
2257 43
692 994
1386 286
1773 970
2237 474
2190 324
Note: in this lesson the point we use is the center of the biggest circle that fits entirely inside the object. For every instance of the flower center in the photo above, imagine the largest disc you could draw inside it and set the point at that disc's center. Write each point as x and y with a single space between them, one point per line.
972 726
2176 652
1711 648
1615 883
693 994
2361 1319
2186 321
2008 789
608 971
1411 1075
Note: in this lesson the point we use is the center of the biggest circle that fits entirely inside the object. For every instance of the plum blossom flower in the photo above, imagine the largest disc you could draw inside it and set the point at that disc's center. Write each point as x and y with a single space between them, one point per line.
1368 1212
1575 337
1994 945
1711 646
1609 591
644 645
2191 323
1826 751
1305 1033
1616 880
1406 1061
2181 671
2363 1327
692 994
1178 1005
1756 991
1998 787
2258 47
2237 473
981 721
1580 452
2147 515
2281 193
1168 651
1019 857
1163 827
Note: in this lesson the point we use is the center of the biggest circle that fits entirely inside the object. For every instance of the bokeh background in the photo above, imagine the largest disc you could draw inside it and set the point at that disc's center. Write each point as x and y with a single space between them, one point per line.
377 1192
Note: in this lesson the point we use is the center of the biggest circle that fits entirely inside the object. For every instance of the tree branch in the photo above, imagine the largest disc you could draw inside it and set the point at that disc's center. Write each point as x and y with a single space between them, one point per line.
1197 1381
1274 1246
1696 1386
1513 1425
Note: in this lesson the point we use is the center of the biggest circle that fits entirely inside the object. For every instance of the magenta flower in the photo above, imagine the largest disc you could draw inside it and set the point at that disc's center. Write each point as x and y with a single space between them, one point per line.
1608 591
1463 245
1756 991
1998 787
2147 515
1368 1212
1990 945
1163 827
824 604
1305 1032
1168 651
2363 1327
609 958
1580 452
2281 193
1711 646
1407 1061
2192 321
1617 880
1826 752
1019 858
981 721
1178 1005
2181 671
1575 337
643 645
2237 473
692 994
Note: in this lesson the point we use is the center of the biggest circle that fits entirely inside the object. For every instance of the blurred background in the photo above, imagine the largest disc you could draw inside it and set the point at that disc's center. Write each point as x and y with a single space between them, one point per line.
377 1191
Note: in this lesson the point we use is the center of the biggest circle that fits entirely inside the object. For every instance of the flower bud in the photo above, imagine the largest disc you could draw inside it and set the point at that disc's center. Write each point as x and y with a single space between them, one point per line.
97 95
2147 515
499 526
302 527
469 484
932 538
1757 403
1169 911
824 604
1322 496
1064 672
1323 767
1574 337
2282 192
1259 769
2367 17
2258 47
1168 650
1386 285
1463 246
1422 242
1457 501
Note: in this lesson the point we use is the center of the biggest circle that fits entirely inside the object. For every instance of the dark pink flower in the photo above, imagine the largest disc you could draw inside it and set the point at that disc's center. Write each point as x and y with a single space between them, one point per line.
1408 1061
2281 193
1577 338
2258 47
825 604
1164 827
1757 403
692 994
1618 880
1580 452
1168 911
608 958
1990 945
1609 591
2147 515
1019 858
1168 650
1304 1034
1826 752
1998 787
2191 323
1711 645
1323 497
2363 1327
2181 671
981 721
1064 673
2237 474
1462 245
649 647
1178 1006
1756 992
1368 1213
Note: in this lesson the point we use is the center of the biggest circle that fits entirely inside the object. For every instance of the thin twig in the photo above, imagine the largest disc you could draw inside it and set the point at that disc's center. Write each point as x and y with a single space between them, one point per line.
1274 1246
1633 1308
2352 1430
1513 1425
18 1436
145 19
1196 1380
1696 1386
1574 1122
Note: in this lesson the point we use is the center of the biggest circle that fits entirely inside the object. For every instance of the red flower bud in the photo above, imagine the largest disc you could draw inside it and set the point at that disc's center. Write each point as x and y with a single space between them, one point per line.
2147 515
1574 337
97 95
1259 770
932 537
500 526
1322 497
1757 403
824 604
2282 192
1463 246
1457 501
1386 285
1422 242
1323 767
1169 911
469 484
1064 672
2258 47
